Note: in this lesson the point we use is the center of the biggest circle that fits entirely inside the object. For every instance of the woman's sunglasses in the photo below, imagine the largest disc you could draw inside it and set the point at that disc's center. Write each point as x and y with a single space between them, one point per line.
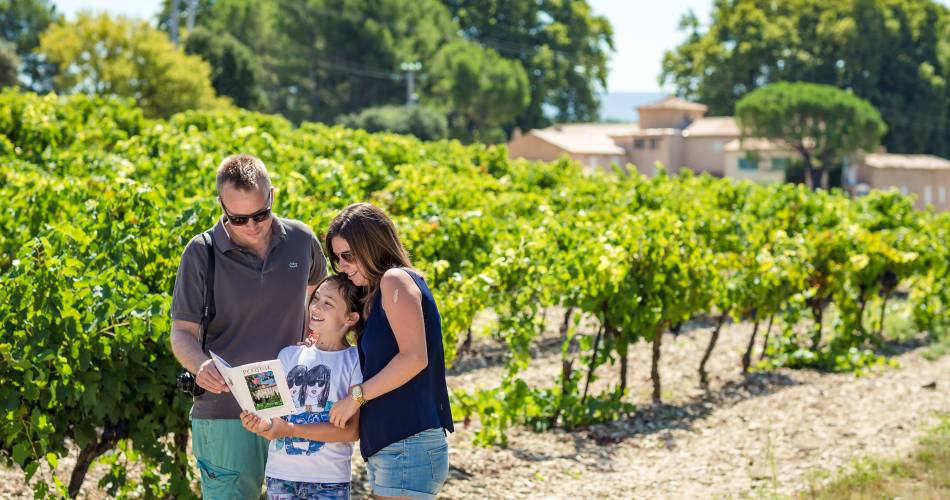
346 256
240 220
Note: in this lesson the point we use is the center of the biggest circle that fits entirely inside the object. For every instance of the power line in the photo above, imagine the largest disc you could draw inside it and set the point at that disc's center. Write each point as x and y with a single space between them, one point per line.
357 70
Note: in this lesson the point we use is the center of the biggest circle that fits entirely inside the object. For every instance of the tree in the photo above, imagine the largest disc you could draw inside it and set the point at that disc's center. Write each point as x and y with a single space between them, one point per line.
102 55
424 123
822 123
340 56
894 53
562 46
9 62
21 22
235 71
249 22
480 89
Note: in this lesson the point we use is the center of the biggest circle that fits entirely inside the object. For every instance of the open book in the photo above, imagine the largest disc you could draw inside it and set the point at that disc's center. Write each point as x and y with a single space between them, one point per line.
259 387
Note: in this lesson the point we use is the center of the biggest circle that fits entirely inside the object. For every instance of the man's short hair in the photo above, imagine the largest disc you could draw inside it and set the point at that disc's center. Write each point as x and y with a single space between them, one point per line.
245 172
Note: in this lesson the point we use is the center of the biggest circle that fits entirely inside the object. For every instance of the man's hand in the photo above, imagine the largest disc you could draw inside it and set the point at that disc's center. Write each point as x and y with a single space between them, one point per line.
209 379
311 339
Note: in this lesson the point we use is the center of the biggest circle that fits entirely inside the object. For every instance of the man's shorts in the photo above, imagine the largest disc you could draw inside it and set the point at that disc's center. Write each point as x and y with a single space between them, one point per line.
231 459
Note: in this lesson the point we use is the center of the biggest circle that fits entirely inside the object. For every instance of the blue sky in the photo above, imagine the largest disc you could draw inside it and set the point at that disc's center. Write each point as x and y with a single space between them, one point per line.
643 30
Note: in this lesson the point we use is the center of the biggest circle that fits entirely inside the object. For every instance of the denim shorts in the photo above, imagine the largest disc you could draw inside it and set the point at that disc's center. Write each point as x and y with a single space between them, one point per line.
279 489
415 467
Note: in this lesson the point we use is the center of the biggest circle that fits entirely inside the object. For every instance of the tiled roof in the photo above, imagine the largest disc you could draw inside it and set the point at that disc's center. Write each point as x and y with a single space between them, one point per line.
580 141
597 128
674 103
913 162
713 126
753 144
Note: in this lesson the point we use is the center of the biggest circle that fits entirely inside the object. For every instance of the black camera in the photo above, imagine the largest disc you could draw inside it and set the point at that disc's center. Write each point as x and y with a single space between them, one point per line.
188 384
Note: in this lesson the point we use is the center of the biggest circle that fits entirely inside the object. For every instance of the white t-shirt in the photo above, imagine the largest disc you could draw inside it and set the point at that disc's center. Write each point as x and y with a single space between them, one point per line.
317 379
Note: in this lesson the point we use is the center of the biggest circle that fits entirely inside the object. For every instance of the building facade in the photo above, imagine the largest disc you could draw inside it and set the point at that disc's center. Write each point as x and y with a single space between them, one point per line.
677 134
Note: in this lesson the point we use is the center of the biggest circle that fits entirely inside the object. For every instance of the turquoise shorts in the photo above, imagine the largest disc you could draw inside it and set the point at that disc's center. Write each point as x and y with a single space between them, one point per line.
231 459
415 467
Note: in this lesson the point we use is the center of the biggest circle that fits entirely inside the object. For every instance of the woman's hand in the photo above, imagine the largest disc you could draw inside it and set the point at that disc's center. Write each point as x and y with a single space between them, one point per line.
271 428
343 411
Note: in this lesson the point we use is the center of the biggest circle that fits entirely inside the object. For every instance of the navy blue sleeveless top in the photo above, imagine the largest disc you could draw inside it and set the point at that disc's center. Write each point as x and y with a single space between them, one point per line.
419 404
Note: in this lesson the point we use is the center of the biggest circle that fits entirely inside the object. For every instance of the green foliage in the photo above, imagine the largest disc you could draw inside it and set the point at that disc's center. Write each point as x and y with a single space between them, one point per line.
100 55
822 123
100 200
488 65
481 90
562 46
235 71
21 23
922 473
893 53
340 56
424 123
251 23
9 65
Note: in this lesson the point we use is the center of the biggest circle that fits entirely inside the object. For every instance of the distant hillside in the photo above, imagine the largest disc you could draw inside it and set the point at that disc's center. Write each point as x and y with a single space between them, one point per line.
620 106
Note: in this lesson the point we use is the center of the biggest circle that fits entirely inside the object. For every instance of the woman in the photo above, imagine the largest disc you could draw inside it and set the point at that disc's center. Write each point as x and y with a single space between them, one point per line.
403 401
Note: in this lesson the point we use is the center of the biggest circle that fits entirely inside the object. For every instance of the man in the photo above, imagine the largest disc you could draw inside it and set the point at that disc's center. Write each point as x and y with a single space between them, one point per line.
266 267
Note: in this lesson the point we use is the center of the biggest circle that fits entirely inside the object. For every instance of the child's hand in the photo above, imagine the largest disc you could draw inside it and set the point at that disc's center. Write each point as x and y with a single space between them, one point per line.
270 428
256 424
253 423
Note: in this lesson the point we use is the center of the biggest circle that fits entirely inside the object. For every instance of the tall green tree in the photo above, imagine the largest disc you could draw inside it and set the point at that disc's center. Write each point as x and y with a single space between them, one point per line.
822 123
340 56
21 23
97 54
9 64
246 44
894 53
562 46
249 22
235 71
481 90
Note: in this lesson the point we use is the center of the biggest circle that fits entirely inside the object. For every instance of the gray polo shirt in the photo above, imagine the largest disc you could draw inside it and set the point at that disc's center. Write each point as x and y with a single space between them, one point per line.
261 305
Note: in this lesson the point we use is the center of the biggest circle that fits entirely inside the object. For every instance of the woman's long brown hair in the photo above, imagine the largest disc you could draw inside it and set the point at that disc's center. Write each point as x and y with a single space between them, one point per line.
373 242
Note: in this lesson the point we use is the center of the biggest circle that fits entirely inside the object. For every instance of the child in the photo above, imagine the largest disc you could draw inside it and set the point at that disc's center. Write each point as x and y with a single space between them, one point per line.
309 457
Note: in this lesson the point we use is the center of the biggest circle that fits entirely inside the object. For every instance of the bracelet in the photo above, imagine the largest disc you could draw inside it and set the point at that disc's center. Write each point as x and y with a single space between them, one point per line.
271 420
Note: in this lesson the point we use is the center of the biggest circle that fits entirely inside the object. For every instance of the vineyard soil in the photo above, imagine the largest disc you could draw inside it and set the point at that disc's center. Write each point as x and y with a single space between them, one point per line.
768 431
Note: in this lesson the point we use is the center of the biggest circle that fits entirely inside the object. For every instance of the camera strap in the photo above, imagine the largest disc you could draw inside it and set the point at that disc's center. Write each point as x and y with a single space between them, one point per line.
207 309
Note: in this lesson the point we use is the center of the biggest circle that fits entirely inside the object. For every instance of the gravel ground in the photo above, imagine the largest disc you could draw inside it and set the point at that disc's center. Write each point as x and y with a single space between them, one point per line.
761 432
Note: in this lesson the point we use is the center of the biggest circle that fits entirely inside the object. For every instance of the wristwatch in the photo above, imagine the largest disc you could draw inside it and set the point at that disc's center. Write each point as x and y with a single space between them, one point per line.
356 392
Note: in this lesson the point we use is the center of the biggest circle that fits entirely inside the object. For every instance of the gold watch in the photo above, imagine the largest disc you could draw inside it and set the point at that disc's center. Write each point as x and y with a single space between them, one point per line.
356 392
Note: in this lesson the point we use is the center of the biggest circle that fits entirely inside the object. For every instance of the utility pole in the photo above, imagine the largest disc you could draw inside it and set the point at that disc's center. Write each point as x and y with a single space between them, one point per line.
192 10
173 23
411 67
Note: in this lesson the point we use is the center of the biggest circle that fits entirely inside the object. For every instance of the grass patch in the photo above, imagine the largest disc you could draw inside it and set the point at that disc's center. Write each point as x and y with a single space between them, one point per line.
940 344
898 320
923 474
937 350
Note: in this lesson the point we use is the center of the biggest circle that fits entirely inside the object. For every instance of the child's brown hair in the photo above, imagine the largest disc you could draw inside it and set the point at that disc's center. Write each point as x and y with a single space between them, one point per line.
353 300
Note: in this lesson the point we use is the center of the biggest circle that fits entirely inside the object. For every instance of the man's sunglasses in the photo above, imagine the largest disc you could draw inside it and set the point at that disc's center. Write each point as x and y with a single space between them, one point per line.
240 220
